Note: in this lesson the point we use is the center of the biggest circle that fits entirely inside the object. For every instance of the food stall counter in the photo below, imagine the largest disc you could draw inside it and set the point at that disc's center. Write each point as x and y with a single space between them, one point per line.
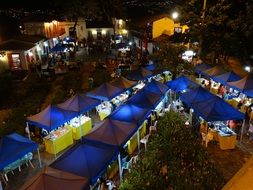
80 126
58 140
226 137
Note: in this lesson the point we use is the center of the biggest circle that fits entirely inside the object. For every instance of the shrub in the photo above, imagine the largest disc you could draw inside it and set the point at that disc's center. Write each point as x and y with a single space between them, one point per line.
175 159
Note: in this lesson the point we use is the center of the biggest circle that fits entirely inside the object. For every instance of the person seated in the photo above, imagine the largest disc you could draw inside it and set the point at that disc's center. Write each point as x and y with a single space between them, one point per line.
232 124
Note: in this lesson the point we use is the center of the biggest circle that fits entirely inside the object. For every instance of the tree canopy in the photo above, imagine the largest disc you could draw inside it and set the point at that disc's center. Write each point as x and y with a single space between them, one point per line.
174 159
227 27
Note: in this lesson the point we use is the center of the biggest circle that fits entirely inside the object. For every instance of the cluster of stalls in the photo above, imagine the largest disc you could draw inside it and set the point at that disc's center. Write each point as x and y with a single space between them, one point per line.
236 90
213 111
124 106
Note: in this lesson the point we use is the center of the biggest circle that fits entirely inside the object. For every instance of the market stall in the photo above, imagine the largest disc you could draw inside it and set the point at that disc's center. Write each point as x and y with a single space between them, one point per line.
139 74
216 70
122 82
224 135
146 99
104 109
80 104
201 67
212 108
80 126
52 118
181 84
111 133
58 140
50 178
86 160
157 87
14 150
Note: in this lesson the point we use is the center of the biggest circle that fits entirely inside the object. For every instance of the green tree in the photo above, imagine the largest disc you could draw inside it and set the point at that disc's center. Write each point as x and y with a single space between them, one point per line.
169 57
175 159
227 27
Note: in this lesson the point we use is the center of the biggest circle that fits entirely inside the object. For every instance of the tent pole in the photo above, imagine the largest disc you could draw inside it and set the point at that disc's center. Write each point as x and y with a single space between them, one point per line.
138 140
54 151
242 130
27 125
190 119
81 128
39 156
170 96
120 172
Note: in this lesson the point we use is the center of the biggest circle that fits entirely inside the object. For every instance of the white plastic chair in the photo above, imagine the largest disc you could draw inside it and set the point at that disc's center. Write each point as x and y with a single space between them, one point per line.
206 138
127 165
168 108
144 141
153 127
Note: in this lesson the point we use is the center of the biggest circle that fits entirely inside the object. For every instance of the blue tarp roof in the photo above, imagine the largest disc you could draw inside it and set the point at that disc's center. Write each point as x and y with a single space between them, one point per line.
51 117
111 132
69 39
150 67
79 103
50 178
245 85
139 74
86 160
58 48
156 87
210 108
226 77
106 92
130 113
201 67
13 147
181 83
123 83
146 99
217 70
196 95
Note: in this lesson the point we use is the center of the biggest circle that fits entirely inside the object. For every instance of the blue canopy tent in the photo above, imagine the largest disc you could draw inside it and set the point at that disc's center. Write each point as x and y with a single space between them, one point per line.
69 40
210 108
122 45
226 77
122 82
58 48
50 178
156 87
14 147
79 103
198 94
201 67
111 133
139 74
106 92
86 160
150 67
146 99
244 85
217 70
181 84
130 113
51 117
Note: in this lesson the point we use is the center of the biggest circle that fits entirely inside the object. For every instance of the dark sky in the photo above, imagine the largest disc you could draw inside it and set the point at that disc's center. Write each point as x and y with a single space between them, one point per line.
27 4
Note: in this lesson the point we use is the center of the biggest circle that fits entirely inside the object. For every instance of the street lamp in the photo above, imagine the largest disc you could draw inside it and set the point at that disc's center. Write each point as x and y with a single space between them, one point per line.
175 15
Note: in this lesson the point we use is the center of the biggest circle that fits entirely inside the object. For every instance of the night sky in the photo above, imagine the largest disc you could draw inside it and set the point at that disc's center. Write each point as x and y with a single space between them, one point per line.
27 4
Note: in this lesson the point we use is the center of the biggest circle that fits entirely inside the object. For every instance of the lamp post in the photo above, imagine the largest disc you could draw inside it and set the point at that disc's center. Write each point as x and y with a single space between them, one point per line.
175 15
204 11
202 24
